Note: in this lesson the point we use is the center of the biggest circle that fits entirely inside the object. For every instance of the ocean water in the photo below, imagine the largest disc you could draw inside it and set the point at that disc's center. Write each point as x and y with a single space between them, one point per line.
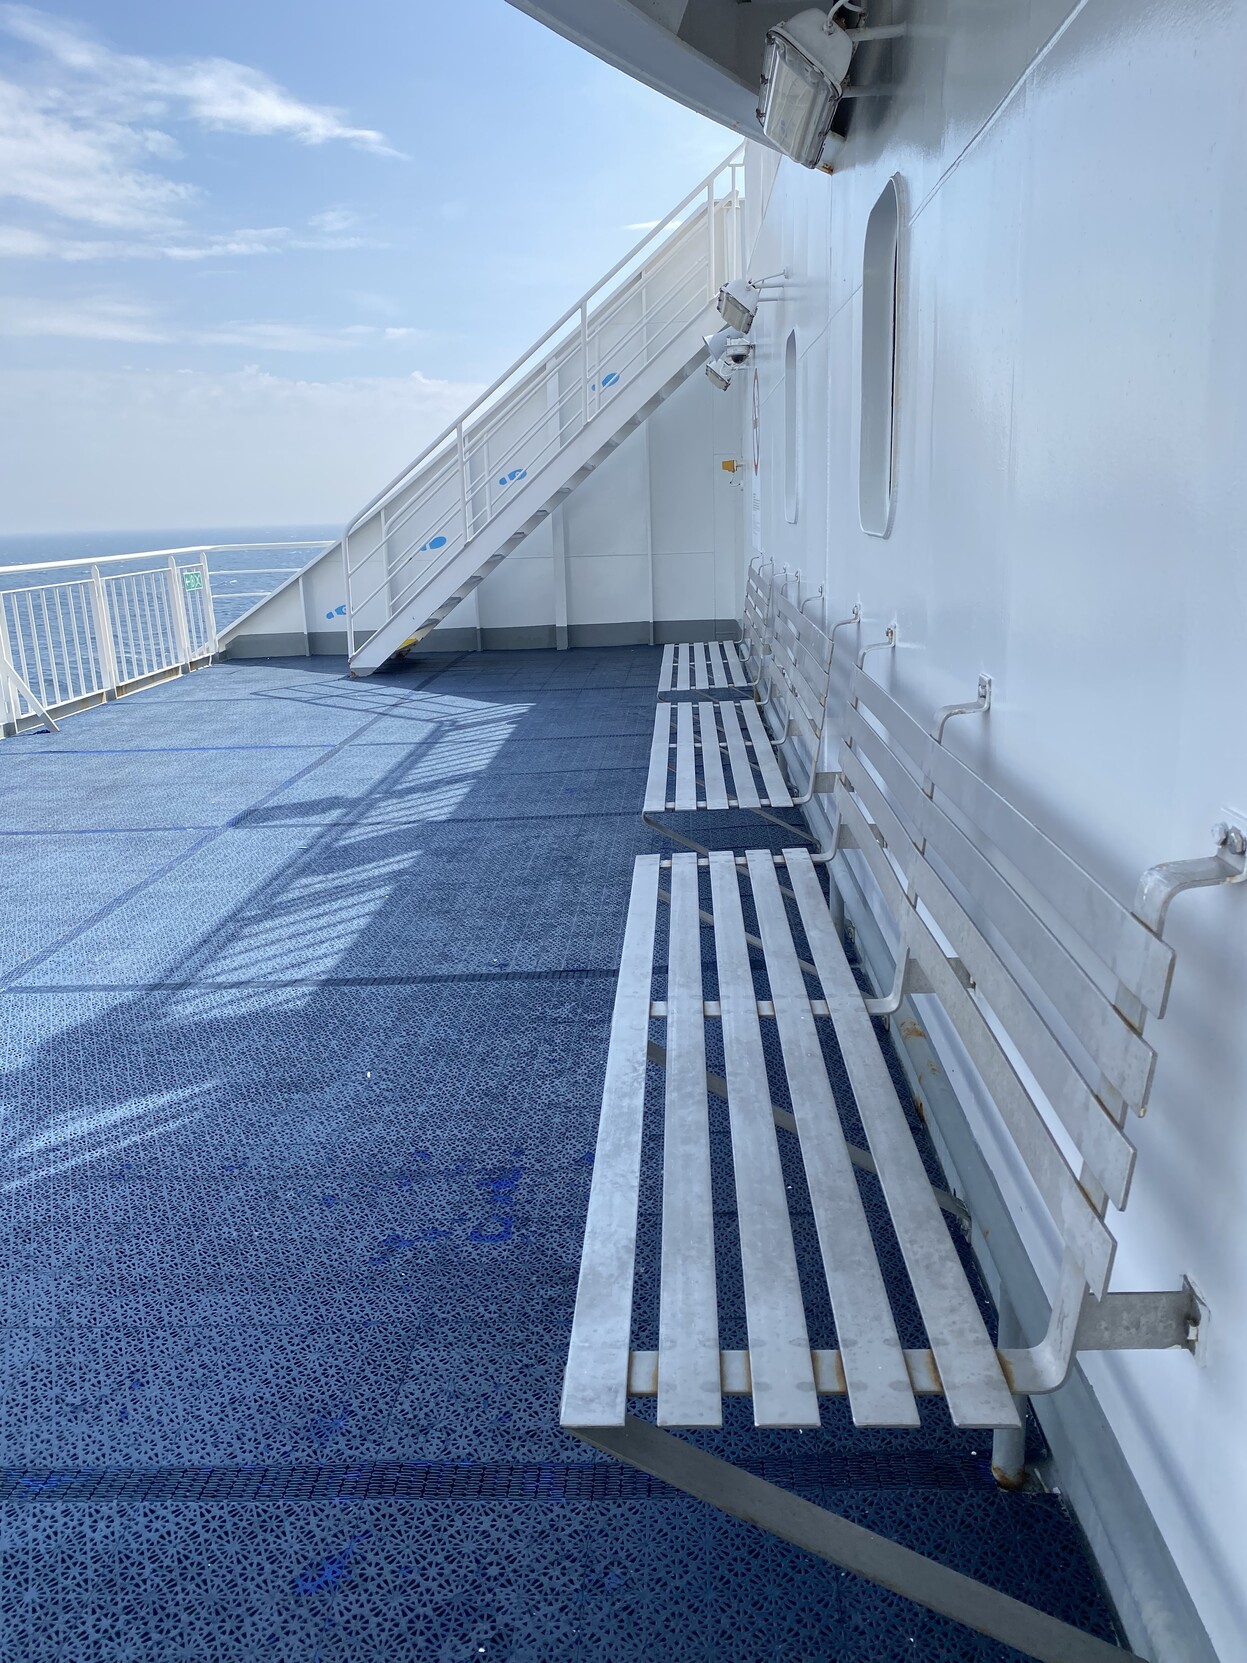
239 578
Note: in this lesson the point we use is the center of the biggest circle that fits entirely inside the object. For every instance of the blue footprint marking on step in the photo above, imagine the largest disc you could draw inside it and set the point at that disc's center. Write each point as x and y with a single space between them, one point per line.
516 473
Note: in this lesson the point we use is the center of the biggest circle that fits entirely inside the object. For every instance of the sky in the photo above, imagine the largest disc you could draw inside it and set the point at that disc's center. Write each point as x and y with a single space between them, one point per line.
253 257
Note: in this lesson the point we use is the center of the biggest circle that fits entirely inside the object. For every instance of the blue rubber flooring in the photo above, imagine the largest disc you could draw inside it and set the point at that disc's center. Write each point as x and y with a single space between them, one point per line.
305 988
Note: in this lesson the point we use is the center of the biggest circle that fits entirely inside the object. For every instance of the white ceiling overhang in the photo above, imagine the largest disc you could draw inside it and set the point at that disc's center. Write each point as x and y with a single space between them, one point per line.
715 76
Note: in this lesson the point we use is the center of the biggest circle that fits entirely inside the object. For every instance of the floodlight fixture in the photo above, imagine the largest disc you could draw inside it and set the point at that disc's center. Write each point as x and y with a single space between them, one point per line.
805 70
738 303
805 64
716 372
739 298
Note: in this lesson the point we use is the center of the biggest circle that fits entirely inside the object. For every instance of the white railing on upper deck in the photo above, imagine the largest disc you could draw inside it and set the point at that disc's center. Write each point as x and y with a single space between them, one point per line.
428 513
96 632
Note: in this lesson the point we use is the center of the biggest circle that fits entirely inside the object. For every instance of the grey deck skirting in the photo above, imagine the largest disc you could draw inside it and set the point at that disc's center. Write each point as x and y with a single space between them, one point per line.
320 643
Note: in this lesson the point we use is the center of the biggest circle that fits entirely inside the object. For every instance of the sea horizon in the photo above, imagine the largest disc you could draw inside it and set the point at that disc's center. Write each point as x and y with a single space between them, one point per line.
239 579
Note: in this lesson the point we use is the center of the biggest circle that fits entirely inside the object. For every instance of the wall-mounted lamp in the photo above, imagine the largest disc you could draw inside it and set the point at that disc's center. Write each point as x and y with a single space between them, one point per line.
805 65
739 297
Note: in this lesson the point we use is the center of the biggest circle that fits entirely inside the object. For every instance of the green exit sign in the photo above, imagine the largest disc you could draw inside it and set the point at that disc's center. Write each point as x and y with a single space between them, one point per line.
192 581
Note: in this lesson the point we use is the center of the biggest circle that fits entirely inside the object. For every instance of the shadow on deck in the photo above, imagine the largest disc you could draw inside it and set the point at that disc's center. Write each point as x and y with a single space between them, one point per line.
306 989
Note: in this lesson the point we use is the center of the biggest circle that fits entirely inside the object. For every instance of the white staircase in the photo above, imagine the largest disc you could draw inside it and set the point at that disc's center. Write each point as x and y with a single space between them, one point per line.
472 496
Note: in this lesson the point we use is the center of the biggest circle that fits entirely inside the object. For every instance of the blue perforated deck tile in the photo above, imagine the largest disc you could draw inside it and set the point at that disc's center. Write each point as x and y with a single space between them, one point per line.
306 996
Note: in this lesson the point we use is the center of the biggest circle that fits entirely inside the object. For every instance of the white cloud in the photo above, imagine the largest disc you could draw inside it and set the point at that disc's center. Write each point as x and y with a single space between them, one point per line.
79 135
333 221
293 337
189 448
103 318
215 92
21 243
81 170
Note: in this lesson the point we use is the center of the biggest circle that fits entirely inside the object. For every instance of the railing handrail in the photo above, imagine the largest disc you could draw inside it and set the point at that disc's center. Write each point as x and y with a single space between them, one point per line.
191 548
663 229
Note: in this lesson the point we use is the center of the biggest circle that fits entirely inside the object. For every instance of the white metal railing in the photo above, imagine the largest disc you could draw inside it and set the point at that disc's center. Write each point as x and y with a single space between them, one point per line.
428 514
96 632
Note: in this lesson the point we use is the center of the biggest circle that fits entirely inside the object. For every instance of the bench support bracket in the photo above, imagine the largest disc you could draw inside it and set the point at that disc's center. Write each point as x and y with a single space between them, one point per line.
840 1542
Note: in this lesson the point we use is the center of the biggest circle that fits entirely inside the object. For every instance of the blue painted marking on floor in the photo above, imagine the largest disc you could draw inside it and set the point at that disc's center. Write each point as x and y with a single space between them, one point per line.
299 1112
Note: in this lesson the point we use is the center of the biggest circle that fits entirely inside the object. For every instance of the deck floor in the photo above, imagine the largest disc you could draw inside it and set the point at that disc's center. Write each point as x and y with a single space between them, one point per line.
304 991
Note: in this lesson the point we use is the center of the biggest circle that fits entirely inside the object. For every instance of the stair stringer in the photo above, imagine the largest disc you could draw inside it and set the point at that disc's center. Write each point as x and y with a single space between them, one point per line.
436 599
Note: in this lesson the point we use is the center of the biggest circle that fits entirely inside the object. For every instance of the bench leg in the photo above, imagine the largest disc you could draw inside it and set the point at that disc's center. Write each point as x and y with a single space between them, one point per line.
785 825
864 1552
675 836
1009 1443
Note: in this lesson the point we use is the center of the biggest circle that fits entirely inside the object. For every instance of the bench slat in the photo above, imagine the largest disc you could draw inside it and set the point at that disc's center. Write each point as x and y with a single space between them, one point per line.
699 664
685 759
1125 1058
974 1386
783 1379
772 776
1083 1229
659 761
743 788
681 677
735 667
1125 945
688 1327
595 1385
870 1348
664 675
711 757
714 655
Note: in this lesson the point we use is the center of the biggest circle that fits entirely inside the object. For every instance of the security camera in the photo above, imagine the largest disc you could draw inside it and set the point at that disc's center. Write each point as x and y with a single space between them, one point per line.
729 347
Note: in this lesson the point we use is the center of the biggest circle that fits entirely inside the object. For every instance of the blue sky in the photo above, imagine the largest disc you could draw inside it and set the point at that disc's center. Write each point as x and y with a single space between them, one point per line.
252 257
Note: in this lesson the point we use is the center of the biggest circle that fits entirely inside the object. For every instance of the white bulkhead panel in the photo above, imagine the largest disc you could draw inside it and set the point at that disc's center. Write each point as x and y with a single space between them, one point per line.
1068 506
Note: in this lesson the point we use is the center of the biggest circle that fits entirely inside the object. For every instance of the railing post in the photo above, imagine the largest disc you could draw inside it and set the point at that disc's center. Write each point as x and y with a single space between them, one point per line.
714 287
177 614
8 693
584 362
104 635
350 604
212 643
463 482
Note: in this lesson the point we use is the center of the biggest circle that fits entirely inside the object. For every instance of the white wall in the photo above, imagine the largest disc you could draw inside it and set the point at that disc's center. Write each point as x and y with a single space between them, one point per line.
1069 511
660 511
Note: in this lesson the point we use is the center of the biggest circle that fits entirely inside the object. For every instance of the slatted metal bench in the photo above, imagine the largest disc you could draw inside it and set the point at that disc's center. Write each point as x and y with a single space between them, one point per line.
720 754
689 666
1017 944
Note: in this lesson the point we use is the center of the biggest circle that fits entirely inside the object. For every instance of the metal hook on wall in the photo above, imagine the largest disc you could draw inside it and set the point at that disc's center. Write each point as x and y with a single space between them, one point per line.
889 640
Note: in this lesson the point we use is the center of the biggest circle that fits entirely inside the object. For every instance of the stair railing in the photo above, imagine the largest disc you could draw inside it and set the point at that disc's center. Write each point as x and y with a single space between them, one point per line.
462 479
440 537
